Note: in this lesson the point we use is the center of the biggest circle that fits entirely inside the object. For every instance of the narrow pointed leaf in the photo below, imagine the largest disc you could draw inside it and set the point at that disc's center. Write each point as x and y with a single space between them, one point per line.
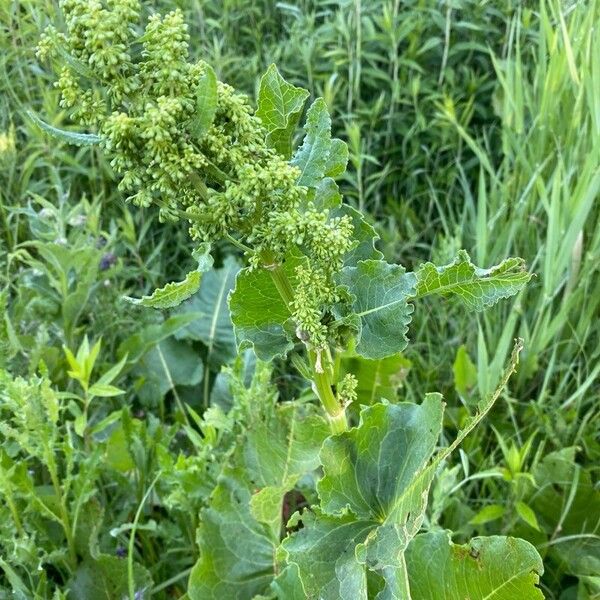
70 137
280 105
206 103
476 288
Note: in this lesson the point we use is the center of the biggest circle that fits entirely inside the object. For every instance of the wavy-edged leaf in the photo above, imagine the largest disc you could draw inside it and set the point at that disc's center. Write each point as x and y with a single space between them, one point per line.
239 531
337 159
173 294
71 137
280 105
381 312
313 155
476 288
373 499
496 567
206 102
213 327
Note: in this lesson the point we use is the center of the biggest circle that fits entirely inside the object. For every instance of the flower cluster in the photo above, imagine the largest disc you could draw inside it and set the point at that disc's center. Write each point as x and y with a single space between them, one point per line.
140 92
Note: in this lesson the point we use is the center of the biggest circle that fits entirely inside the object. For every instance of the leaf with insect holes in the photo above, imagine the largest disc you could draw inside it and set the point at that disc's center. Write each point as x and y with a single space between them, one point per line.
173 294
380 310
502 568
280 105
373 494
70 137
268 462
319 155
476 288
206 103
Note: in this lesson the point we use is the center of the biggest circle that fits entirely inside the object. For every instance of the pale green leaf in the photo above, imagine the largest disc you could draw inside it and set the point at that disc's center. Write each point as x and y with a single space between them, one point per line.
527 514
488 514
104 390
465 372
381 312
71 137
206 102
312 157
279 107
337 159
476 288
492 568
173 294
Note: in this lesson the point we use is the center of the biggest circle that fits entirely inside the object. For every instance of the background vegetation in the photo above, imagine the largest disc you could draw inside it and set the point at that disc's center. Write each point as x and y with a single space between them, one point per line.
470 124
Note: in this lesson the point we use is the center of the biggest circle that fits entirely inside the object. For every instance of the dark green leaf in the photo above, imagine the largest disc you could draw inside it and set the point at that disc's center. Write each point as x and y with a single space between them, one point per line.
105 578
381 312
213 327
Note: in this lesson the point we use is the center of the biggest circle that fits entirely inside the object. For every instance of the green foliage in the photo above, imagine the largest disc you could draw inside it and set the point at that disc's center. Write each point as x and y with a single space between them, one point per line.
466 126
493 567
173 294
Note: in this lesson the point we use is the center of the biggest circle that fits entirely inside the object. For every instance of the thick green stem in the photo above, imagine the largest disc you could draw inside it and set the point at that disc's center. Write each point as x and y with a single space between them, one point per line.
321 372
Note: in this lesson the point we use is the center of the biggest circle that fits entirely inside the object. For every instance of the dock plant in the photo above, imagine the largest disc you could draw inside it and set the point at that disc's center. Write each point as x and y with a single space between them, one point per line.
314 287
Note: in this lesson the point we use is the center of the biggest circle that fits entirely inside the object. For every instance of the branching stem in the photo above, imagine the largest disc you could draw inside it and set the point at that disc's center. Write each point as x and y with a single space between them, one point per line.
321 373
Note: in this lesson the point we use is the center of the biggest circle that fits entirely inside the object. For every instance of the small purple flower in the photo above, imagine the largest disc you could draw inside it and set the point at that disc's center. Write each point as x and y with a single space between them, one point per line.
107 261
121 552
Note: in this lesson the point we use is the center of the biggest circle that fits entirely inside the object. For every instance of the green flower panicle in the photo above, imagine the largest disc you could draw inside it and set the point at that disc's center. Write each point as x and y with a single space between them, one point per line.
141 93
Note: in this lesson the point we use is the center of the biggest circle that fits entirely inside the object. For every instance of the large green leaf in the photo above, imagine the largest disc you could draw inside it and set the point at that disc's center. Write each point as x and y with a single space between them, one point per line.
106 578
213 326
259 314
239 531
279 107
173 294
381 312
169 364
476 288
496 568
320 155
373 498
